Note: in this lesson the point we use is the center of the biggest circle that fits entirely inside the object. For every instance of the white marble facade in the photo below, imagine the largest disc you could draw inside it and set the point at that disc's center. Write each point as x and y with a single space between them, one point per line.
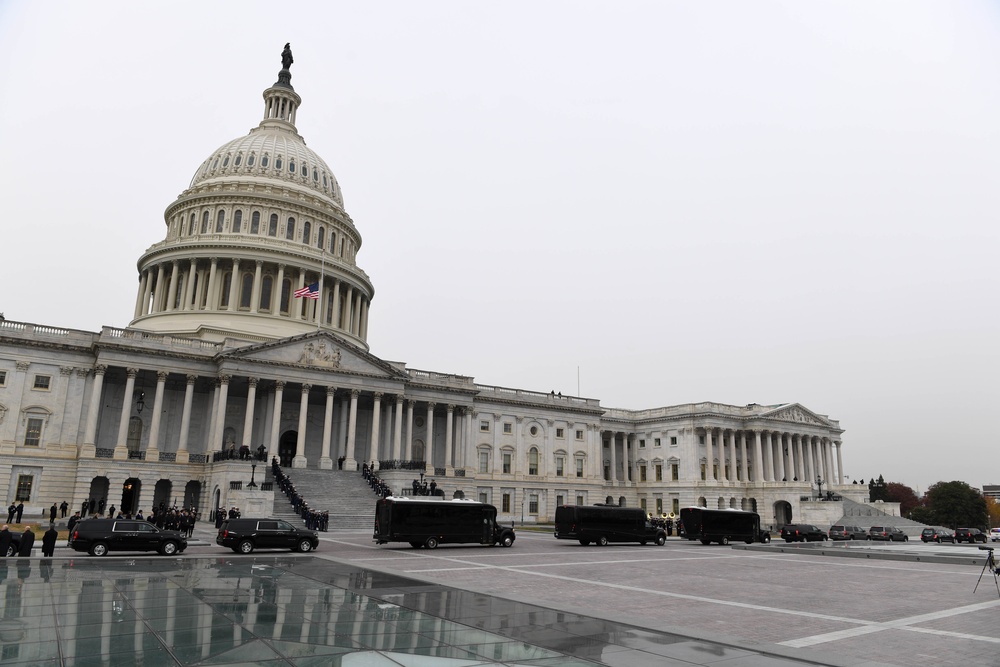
220 351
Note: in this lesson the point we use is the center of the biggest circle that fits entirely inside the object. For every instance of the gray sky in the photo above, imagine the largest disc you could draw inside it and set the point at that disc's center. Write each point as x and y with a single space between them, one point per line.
730 201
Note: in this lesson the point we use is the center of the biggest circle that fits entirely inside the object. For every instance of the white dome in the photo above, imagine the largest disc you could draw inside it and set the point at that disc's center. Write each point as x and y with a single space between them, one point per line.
271 151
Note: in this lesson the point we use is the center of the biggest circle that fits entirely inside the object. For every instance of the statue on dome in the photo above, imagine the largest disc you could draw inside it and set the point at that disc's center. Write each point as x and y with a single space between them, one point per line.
286 56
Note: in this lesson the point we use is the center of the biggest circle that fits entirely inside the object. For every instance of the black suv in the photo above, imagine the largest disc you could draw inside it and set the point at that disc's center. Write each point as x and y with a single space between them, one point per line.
99 536
245 535
970 535
802 532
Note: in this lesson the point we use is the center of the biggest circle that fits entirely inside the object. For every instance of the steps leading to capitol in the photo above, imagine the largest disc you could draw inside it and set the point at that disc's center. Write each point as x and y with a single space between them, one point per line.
344 494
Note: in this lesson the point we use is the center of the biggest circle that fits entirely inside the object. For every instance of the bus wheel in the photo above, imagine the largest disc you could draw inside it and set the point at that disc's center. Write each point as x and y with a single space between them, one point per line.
767 539
602 541
661 540
431 543
724 541
706 542
507 540
585 543
416 545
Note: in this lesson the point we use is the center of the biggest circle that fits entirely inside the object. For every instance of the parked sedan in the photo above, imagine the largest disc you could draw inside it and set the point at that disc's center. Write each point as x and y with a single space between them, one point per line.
935 535
970 535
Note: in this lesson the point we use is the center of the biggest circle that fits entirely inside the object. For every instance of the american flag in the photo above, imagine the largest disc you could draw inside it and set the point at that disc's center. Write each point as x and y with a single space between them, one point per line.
309 291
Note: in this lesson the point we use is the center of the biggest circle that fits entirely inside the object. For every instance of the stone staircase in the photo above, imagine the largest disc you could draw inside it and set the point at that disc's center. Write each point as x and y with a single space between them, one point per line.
344 494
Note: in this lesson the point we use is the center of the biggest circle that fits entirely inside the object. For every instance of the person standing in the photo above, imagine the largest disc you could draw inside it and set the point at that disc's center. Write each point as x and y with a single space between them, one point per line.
20 511
52 513
5 539
27 542
49 541
10 513
73 520
63 508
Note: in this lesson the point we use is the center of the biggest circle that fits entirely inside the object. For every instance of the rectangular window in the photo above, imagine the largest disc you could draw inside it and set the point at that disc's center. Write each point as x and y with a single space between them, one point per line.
559 501
579 434
642 504
483 497
560 433
701 440
533 503
484 461
676 506
675 472
579 467
656 442
560 464
33 432
659 506
42 382
484 426
23 490
3 378
508 428
505 506
642 473
642 444
659 472
506 463
579 500
703 472
673 440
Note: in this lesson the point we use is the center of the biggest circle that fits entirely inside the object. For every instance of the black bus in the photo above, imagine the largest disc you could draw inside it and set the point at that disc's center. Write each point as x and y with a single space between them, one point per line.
722 526
601 524
428 523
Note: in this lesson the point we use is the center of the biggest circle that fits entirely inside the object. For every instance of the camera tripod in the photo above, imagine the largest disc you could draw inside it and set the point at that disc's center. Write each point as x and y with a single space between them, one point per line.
991 565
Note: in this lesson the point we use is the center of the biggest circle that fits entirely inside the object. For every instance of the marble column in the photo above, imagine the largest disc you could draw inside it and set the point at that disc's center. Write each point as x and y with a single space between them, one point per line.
325 462
429 444
172 289
709 455
409 430
376 433
448 445
779 444
234 284
758 465
220 414
183 456
300 444
614 461
397 435
93 409
744 474
121 444
840 463
152 448
731 469
279 388
248 417
352 427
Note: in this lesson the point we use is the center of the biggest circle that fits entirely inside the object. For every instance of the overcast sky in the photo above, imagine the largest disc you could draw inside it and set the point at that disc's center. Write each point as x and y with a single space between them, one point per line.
673 202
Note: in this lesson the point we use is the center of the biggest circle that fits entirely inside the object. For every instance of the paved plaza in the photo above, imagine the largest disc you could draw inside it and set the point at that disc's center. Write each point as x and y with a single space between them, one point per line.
542 602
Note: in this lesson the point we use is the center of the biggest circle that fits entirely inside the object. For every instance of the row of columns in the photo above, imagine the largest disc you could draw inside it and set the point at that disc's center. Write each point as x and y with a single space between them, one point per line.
777 456
201 288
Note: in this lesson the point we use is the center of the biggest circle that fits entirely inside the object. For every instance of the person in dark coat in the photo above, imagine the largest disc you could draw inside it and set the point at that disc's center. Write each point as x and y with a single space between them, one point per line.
10 513
5 540
27 541
20 511
63 508
52 513
49 541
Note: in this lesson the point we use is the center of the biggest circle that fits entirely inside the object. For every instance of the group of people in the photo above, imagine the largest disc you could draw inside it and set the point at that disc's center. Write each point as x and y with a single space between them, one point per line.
27 541
244 453
378 486
13 510
425 489
314 519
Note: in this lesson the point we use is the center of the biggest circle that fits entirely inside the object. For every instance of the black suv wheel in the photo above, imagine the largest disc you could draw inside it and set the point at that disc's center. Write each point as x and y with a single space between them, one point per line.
245 547
305 546
168 548
98 549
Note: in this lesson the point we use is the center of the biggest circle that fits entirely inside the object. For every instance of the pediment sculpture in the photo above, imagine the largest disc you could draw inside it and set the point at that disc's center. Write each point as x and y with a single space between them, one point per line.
318 354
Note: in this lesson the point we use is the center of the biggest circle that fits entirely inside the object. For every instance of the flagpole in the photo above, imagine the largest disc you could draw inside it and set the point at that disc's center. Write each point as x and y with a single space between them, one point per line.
322 273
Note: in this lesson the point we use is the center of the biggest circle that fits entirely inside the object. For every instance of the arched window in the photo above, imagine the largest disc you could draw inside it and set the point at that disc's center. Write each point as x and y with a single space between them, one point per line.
277 163
191 226
324 179
255 222
264 161
265 293
305 170
333 242
204 222
290 229
272 225
239 160
225 161
237 221
306 232
251 159
286 290
215 165
227 278
533 461
291 166
220 220
316 176
246 290
321 238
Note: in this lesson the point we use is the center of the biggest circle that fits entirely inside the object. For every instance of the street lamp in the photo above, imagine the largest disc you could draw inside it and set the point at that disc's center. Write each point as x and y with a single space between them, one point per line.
253 470
522 511
819 483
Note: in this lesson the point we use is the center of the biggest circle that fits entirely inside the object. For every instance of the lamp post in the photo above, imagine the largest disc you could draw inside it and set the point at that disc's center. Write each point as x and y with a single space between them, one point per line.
253 470
819 483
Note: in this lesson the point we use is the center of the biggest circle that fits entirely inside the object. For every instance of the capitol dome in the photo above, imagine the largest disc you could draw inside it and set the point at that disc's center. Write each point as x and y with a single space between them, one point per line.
259 246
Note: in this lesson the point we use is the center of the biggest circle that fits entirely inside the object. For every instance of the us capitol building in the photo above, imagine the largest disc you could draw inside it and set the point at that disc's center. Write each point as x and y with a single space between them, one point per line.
220 351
